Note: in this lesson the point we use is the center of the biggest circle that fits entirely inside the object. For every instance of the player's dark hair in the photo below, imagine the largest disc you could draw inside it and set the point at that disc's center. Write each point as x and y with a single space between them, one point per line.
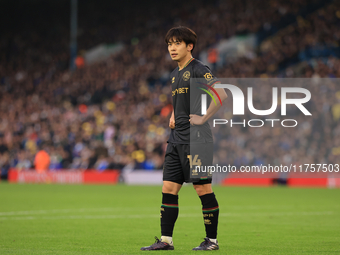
180 33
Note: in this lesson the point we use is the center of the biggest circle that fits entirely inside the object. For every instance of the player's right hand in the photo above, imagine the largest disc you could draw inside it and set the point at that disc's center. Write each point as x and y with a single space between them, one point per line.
172 123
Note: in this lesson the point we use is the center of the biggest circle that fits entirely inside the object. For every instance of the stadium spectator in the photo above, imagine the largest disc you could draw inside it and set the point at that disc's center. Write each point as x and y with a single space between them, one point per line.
213 57
4 165
42 161
80 62
3 146
23 162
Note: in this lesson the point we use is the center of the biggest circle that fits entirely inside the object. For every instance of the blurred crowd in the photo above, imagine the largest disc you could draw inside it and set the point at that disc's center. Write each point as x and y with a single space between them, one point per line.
317 29
114 114
314 140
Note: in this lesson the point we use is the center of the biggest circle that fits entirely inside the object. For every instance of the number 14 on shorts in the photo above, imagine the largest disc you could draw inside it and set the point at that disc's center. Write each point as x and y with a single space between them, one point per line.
196 162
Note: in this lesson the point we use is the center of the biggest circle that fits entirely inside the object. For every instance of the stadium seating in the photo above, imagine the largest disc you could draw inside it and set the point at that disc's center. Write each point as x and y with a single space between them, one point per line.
114 114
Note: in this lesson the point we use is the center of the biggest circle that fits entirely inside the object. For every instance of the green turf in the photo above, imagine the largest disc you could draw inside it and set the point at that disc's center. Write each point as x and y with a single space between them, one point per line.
84 219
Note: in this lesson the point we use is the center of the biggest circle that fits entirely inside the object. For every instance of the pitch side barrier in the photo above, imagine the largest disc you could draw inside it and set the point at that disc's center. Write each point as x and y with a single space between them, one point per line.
306 175
64 176
308 179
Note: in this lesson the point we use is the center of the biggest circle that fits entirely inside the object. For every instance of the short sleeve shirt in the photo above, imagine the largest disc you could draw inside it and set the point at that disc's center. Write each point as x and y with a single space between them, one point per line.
187 100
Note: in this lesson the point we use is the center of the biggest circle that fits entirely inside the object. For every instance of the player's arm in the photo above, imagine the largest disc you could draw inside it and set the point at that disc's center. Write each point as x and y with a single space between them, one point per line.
212 109
172 120
204 73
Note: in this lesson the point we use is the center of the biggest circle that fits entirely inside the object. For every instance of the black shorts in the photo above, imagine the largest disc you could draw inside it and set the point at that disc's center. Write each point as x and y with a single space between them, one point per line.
177 161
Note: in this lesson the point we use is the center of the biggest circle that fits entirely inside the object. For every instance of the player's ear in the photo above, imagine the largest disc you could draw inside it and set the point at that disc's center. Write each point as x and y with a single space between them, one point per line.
190 46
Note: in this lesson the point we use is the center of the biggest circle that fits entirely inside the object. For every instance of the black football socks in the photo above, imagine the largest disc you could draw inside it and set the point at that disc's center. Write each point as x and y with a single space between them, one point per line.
169 213
210 211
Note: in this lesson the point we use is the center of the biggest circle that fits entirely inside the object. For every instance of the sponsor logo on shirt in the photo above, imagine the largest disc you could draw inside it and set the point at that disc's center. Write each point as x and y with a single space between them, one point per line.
180 91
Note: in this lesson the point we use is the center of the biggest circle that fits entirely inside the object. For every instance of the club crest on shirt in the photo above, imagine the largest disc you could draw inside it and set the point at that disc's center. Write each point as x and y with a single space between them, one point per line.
208 76
186 76
173 80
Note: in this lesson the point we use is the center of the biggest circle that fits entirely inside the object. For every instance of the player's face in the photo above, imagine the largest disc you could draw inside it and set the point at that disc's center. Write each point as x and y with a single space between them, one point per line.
178 50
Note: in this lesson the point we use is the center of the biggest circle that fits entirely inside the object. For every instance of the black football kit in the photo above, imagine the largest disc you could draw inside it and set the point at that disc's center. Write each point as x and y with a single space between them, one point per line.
189 145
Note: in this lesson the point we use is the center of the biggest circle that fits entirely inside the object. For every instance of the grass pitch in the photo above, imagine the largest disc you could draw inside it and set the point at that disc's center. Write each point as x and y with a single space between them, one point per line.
86 219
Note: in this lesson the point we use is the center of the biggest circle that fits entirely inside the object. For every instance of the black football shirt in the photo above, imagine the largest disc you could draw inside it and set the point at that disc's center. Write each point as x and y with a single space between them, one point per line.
186 97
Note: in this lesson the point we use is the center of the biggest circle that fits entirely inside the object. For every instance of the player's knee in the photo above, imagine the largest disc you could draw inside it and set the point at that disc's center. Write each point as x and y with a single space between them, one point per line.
203 189
171 188
199 189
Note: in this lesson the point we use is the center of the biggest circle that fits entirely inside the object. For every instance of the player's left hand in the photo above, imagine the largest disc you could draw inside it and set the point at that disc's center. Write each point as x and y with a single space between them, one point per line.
196 120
